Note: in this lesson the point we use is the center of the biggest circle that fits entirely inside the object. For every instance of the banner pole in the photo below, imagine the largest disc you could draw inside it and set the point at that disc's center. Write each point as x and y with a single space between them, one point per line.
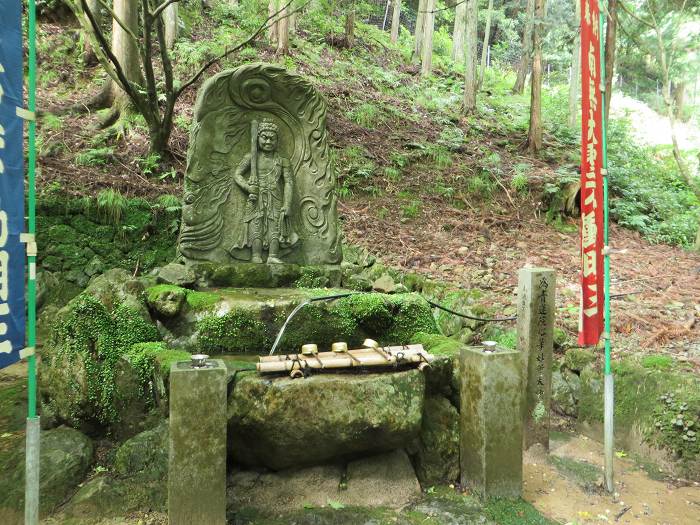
31 503
609 385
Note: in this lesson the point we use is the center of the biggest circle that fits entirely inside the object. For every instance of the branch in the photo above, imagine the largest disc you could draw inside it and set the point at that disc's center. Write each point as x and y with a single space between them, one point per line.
265 25
147 57
162 7
626 10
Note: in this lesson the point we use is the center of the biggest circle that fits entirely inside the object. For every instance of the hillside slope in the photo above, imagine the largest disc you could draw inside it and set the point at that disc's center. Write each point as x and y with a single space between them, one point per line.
422 187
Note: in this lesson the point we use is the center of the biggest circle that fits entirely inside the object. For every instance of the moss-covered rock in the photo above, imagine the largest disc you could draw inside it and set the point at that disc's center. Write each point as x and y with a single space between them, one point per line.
437 457
648 403
566 391
252 275
86 380
65 457
76 238
248 320
283 422
145 455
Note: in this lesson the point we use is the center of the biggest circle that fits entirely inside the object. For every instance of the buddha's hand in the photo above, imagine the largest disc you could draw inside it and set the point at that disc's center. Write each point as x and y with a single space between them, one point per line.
284 211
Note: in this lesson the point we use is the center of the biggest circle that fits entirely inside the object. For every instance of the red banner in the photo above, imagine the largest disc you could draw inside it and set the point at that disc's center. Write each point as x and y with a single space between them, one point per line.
592 296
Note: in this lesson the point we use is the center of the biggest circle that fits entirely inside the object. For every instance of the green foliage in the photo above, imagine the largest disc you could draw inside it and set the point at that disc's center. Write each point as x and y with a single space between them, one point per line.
677 423
358 172
95 157
647 193
411 210
366 115
111 205
170 203
659 362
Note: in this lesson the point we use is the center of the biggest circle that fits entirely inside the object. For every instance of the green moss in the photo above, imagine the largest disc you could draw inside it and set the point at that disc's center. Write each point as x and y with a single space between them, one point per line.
438 344
238 331
312 277
197 301
514 512
659 362
577 359
13 405
583 474
99 338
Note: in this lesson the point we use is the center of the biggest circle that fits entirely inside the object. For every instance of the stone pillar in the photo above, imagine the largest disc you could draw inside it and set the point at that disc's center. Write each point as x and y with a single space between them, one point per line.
536 305
197 470
491 424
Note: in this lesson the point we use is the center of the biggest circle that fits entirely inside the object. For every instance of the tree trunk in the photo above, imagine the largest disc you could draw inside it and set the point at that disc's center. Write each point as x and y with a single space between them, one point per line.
170 24
458 32
524 65
575 70
124 47
272 30
350 27
697 238
418 35
534 135
283 31
487 37
610 43
666 90
428 28
90 58
395 21
679 99
470 66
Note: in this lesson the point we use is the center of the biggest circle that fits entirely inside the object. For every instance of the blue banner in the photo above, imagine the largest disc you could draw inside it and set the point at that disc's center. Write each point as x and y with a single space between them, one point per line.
12 254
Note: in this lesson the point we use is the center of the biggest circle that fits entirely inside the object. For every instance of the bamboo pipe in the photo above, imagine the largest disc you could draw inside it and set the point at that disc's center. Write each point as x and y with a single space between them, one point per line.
340 361
359 351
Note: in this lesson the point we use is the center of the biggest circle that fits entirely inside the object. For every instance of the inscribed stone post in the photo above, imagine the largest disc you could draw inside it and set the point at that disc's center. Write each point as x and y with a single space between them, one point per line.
536 304
491 425
197 466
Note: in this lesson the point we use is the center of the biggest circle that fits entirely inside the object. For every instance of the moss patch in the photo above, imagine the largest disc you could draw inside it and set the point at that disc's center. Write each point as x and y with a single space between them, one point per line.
90 336
196 300
236 332
583 474
515 512
438 344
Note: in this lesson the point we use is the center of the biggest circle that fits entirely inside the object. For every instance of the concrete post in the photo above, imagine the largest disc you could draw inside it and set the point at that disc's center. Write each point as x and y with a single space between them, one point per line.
197 470
491 425
536 305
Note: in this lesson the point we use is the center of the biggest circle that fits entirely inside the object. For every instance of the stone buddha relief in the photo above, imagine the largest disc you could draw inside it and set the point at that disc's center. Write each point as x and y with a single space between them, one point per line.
260 184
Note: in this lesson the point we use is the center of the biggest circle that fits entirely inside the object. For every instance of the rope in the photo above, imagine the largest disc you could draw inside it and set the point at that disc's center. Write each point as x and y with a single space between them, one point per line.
472 317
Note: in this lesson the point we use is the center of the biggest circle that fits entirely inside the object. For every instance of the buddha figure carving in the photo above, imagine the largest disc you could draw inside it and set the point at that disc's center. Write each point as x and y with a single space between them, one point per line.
259 184
267 179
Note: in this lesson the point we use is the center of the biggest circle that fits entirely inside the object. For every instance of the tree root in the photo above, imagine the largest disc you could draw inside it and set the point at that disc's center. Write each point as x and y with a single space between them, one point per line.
101 100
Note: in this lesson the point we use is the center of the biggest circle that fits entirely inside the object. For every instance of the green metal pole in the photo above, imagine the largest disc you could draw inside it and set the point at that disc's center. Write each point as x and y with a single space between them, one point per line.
609 386
31 501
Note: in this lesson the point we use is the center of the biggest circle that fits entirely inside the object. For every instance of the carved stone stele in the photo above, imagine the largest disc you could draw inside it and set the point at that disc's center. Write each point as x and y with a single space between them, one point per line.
260 183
